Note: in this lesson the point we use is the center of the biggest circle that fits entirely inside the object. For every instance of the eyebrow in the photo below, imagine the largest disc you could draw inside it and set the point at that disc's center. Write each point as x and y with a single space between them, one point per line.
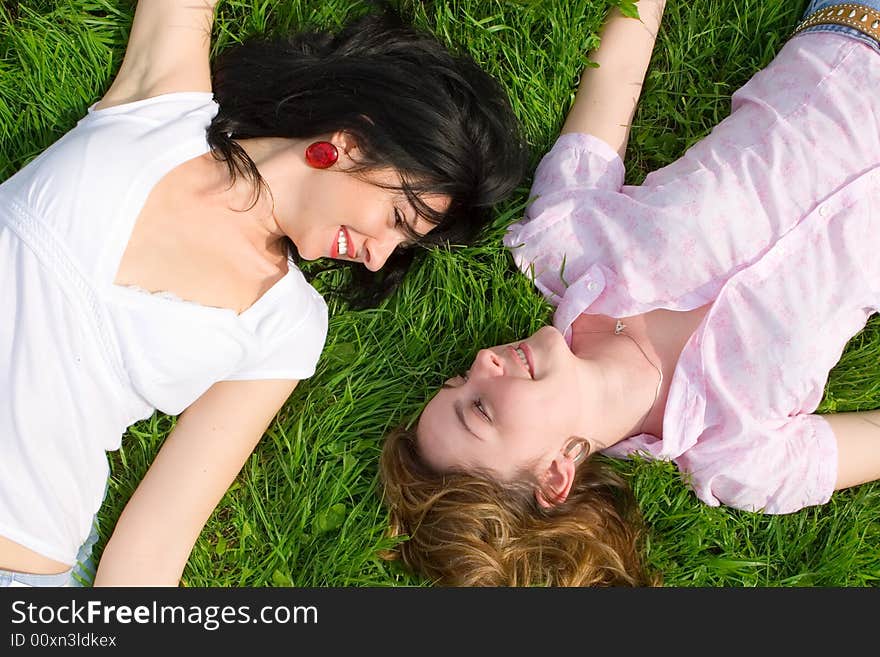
447 386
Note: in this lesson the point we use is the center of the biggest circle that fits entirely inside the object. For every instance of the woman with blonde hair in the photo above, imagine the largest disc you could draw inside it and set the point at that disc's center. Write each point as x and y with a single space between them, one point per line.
697 318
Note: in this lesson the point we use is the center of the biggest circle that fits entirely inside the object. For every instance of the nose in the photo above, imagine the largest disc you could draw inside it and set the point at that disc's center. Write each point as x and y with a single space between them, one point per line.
377 252
487 363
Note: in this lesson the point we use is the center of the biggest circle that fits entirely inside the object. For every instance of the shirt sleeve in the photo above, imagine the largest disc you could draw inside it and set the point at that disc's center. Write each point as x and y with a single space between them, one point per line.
573 174
764 468
164 108
291 343
578 161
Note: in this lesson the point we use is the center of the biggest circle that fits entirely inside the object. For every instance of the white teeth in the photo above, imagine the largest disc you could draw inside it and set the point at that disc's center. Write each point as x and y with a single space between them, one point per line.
342 243
522 357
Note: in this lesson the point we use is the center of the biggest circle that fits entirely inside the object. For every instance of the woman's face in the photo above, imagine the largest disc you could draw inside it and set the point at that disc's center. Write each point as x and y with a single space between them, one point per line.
515 408
360 217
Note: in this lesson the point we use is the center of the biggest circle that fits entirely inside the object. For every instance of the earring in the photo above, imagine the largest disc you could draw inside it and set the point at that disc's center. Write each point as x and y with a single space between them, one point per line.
581 445
321 154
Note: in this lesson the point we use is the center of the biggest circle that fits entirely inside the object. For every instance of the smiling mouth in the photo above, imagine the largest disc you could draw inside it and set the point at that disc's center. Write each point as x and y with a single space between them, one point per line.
342 243
524 360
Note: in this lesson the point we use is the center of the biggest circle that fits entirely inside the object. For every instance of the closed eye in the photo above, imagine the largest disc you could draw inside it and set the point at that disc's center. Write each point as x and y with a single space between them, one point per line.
412 237
481 410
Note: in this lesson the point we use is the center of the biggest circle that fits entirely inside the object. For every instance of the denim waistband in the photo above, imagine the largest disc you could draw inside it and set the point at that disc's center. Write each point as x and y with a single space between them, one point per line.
10 578
816 5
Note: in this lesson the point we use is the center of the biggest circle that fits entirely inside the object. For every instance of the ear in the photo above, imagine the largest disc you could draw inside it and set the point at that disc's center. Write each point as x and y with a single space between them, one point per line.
346 142
556 482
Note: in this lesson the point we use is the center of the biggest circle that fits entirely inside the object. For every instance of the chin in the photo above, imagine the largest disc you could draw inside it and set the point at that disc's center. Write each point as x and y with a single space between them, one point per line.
550 337
306 254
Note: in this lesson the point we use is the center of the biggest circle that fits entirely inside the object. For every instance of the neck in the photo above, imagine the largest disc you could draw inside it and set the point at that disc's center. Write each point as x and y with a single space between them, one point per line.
236 199
620 383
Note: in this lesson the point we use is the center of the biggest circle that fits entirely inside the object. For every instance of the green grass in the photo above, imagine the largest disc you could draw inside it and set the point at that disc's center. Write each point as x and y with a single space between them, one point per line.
304 510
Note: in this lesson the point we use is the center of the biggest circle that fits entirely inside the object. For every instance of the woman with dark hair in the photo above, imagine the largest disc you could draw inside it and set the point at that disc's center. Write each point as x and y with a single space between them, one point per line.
697 318
437 119
149 259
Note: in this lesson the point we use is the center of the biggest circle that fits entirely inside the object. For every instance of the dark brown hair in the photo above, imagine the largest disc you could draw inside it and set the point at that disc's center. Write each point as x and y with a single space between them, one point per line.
434 116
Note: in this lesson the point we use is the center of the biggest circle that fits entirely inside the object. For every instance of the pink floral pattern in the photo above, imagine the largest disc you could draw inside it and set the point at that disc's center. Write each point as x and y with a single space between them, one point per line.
774 218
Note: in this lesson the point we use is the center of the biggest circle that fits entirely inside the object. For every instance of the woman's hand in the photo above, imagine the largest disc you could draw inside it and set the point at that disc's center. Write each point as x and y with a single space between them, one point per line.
607 96
168 50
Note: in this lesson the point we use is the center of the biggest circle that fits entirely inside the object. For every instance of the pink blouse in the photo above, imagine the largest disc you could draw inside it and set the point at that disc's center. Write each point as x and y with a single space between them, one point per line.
774 218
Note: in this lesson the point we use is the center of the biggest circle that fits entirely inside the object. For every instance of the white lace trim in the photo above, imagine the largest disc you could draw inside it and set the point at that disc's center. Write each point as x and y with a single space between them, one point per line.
170 296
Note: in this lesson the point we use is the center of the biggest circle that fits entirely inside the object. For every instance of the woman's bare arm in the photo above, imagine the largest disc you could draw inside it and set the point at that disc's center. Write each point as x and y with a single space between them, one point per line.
607 96
198 462
168 50
858 446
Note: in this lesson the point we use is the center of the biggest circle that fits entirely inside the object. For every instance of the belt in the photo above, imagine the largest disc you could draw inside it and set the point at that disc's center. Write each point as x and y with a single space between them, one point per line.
859 17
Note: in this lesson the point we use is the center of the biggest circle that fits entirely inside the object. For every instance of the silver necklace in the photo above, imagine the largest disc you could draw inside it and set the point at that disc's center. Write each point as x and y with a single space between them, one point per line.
618 330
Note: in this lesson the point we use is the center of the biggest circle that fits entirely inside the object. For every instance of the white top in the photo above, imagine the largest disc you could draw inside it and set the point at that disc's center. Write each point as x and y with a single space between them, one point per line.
82 357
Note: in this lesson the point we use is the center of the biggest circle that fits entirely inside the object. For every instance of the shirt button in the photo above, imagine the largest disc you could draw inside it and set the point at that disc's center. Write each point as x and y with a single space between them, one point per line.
824 211
592 286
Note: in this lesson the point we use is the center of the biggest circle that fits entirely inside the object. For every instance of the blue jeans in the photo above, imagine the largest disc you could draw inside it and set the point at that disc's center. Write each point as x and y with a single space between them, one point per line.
815 5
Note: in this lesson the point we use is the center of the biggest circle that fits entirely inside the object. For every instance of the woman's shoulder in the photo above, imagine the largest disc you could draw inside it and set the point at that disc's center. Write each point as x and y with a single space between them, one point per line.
289 327
292 306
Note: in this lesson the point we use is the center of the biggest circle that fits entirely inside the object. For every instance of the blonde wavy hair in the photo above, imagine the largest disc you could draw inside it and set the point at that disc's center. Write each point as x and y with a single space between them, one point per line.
467 529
